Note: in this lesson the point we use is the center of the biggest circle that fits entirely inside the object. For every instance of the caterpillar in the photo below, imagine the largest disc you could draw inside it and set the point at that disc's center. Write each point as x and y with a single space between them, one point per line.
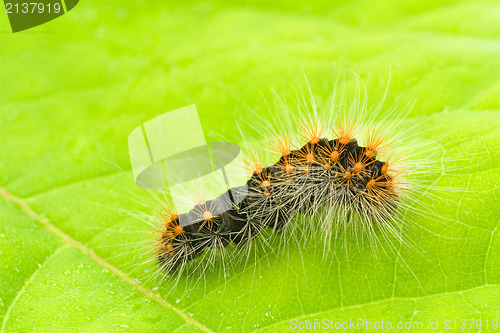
337 173
340 169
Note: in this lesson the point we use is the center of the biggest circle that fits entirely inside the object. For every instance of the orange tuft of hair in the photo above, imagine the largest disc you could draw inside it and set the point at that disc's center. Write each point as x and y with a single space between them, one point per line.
168 213
331 152
376 142
173 229
312 130
391 167
168 224
346 130
358 164
205 213
358 167
254 163
283 146
308 156
288 168
381 187
266 183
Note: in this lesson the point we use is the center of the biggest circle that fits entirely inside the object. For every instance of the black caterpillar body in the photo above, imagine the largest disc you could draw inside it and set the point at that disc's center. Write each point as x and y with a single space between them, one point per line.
336 173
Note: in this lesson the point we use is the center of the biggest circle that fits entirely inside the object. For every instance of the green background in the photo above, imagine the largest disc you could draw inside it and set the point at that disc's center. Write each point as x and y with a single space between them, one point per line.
73 89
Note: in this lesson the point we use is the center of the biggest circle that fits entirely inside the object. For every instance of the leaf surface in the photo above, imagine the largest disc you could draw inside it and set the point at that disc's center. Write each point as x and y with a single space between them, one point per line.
73 89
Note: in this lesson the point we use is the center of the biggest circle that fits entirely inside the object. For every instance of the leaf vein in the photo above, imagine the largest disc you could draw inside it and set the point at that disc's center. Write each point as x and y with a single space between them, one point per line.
27 283
70 241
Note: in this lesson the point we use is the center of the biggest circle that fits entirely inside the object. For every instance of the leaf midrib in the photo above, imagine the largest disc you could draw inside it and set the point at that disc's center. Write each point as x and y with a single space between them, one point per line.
189 320
72 242
23 203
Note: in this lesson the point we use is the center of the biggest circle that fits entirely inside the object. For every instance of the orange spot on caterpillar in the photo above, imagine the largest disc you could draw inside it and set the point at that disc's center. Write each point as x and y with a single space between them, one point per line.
381 187
345 139
178 230
358 167
172 227
370 153
253 163
207 215
334 156
371 184
390 167
289 168
305 155
376 142
327 166
346 130
283 146
384 168
348 175
266 183
312 130
168 214
330 152
169 247
267 194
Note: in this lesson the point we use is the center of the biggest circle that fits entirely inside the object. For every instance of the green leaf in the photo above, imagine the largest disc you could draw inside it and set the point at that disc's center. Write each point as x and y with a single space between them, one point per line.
73 89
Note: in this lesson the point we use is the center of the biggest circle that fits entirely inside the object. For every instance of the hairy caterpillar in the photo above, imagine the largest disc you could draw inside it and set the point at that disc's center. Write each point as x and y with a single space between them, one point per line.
339 169
337 174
